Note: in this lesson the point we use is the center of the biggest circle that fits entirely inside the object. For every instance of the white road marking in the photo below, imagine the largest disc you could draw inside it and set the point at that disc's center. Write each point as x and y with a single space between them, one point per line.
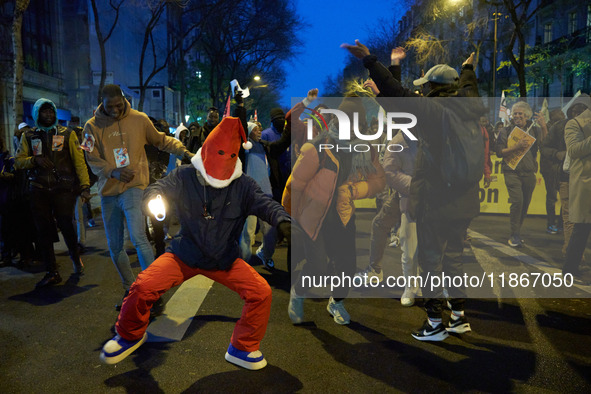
180 310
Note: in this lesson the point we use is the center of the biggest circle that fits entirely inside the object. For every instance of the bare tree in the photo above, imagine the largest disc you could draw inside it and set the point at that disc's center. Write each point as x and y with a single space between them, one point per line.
20 6
249 37
115 5
518 11
428 48
161 57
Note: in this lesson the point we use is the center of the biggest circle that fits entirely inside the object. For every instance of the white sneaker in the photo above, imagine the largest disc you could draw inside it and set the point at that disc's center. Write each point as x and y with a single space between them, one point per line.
394 241
338 311
369 273
295 309
408 297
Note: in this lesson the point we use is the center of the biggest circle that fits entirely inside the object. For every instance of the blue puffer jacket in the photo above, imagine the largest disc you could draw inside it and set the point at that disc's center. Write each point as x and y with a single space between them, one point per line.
212 244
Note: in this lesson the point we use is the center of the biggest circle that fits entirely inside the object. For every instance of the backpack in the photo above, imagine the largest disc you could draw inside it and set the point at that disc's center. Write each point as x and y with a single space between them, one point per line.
462 156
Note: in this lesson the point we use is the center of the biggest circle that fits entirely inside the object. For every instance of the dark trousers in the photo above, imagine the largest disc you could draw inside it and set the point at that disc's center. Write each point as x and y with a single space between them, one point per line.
552 185
520 189
48 208
332 253
440 250
576 248
157 235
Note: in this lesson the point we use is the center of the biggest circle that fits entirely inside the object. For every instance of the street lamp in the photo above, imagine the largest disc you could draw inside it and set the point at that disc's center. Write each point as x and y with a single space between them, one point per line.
257 78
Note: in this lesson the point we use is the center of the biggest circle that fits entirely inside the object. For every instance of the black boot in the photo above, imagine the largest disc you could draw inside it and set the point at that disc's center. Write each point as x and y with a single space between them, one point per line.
50 278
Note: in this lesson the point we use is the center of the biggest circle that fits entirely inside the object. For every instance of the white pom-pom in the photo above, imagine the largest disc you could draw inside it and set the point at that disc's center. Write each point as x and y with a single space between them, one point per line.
247 145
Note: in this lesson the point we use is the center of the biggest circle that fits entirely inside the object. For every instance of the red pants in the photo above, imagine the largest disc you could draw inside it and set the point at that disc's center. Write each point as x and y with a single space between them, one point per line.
168 271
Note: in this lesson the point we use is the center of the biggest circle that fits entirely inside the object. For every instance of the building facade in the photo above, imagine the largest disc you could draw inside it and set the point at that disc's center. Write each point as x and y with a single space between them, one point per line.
63 63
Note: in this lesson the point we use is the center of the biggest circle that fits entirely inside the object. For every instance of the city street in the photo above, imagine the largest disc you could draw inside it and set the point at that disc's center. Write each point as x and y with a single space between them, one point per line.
51 338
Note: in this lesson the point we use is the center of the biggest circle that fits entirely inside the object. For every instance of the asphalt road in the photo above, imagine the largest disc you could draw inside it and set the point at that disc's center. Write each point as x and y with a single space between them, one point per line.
50 338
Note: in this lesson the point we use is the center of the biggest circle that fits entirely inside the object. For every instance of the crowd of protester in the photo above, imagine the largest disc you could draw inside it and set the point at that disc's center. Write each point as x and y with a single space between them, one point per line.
292 189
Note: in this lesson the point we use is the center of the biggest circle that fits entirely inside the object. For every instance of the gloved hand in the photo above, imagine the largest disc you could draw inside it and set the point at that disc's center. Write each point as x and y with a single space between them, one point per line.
284 231
238 96
85 195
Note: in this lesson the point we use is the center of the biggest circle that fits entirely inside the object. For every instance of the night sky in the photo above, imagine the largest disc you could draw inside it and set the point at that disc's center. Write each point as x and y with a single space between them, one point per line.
332 22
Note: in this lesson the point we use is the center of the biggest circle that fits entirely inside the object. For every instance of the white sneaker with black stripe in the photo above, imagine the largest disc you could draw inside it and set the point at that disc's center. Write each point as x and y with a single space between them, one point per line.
459 325
428 333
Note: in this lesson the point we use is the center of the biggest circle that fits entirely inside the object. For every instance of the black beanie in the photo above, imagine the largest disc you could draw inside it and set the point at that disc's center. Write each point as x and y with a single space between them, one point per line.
277 113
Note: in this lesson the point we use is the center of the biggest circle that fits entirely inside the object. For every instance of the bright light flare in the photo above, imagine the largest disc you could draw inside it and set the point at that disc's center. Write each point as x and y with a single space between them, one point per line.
156 206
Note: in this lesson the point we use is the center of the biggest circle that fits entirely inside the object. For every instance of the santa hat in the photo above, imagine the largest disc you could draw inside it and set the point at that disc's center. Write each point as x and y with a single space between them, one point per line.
217 160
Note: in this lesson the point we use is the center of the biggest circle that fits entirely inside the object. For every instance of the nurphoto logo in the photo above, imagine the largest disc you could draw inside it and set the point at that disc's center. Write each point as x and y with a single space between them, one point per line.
344 129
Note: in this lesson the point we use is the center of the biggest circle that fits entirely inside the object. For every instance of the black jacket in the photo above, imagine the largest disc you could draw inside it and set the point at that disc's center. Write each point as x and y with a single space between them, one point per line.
554 144
429 194
212 244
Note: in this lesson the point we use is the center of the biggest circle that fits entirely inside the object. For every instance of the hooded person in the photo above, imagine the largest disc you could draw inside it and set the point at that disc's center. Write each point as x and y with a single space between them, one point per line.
57 174
182 134
212 199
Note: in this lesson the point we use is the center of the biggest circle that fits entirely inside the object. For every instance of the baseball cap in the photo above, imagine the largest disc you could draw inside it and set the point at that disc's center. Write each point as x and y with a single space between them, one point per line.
441 73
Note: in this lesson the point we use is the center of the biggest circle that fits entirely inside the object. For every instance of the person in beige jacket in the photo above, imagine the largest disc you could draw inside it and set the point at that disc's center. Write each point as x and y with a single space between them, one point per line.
114 141
577 135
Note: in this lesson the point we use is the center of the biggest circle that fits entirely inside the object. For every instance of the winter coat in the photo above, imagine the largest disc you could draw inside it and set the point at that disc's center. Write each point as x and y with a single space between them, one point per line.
257 166
132 131
60 145
314 181
577 136
212 244
280 164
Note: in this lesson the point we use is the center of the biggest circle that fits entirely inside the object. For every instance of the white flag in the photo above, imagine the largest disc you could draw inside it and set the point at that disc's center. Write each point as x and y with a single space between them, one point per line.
503 111
567 106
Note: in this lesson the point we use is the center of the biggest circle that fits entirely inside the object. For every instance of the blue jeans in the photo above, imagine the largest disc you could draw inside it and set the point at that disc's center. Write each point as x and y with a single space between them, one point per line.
115 208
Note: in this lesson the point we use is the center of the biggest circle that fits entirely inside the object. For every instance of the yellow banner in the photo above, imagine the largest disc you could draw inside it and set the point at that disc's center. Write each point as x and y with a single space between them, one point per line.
495 199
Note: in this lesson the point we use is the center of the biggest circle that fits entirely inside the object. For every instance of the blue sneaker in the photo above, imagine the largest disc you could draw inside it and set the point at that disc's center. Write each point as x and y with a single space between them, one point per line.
118 348
267 263
249 360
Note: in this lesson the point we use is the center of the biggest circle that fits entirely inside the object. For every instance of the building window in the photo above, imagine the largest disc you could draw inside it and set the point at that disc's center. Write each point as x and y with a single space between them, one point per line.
589 23
37 37
547 33
572 22
156 93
